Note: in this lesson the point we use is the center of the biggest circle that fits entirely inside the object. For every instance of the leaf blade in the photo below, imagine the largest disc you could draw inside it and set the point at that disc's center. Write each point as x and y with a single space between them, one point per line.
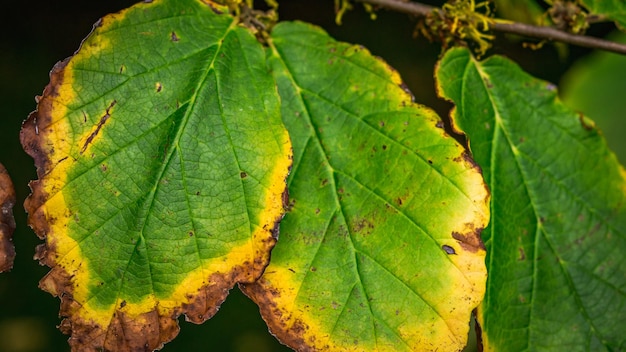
557 195
334 282
160 186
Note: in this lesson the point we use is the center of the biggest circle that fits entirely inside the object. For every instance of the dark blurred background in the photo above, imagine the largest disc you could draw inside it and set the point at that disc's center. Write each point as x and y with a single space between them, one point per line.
37 34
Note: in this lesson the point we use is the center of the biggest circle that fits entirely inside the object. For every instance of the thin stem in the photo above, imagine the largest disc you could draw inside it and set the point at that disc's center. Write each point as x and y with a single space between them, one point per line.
541 32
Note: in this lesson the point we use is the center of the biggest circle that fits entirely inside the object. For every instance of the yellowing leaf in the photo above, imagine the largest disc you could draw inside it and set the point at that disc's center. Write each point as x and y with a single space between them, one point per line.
162 161
381 249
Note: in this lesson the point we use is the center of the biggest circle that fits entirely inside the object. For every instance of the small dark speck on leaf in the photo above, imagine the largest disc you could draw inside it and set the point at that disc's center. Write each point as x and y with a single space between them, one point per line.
448 249
103 167
174 37
381 123
430 161
198 193
439 124
313 269
317 211
123 304
159 86
243 174
293 271
190 233
384 147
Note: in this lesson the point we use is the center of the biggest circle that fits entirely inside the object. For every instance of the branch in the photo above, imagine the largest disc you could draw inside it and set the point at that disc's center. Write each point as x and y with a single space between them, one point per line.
541 32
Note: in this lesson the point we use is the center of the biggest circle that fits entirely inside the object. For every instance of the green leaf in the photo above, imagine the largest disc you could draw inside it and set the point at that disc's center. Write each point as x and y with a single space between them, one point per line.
557 237
612 9
381 248
162 161
595 85
7 222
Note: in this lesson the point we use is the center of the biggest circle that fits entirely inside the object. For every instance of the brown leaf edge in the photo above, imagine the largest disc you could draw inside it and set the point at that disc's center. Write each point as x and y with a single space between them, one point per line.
282 325
7 222
151 330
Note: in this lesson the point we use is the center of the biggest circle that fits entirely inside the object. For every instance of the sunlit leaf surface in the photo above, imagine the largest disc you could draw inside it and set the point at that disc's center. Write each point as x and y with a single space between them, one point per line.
380 250
162 161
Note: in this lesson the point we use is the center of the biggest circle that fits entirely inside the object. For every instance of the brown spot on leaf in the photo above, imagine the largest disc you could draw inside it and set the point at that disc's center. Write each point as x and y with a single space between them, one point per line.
363 226
101 123
470 241
174 37
7 222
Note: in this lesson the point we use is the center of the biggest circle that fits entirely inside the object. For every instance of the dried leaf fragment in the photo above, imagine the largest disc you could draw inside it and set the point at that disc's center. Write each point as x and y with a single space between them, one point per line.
7 222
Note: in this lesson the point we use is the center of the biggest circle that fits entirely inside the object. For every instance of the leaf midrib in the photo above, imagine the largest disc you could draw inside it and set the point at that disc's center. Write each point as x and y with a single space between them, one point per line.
333 171
148 202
